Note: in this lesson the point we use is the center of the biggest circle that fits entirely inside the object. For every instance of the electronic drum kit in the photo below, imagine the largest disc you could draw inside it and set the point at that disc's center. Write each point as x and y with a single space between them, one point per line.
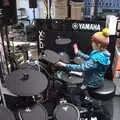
31 84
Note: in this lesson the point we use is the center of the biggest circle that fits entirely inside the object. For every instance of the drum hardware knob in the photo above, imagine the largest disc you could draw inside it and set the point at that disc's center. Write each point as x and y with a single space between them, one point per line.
25 76
33 97
69 76
44 55
62 100
37 98
65 108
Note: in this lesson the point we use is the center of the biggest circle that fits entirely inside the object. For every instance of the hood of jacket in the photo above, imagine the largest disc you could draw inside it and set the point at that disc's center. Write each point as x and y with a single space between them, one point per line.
103 57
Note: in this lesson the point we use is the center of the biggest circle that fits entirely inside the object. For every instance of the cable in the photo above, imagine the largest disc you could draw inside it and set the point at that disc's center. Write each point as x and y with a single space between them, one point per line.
45 70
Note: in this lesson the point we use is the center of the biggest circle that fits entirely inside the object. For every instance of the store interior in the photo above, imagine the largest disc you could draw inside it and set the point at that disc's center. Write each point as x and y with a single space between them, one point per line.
37 34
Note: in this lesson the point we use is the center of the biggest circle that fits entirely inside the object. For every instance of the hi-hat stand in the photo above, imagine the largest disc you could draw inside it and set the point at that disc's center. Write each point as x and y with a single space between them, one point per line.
3 45
33 13
2 68
6 48
2 95
48 4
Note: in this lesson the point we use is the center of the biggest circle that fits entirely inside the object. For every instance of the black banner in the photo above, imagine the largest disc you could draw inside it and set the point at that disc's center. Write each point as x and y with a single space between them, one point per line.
59 36
8 12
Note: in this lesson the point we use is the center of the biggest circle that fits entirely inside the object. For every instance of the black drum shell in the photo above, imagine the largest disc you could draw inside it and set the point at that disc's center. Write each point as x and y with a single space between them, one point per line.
15 103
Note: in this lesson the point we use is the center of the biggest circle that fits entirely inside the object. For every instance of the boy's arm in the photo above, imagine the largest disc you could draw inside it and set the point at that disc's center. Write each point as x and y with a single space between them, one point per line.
82 55
88 65
78 52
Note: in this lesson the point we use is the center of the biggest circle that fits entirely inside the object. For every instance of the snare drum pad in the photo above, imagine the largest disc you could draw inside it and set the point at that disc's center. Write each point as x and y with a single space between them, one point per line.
37 112
66 111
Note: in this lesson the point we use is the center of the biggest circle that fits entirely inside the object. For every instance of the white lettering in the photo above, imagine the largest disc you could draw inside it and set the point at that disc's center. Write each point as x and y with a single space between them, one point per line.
87 26
41 39
82 26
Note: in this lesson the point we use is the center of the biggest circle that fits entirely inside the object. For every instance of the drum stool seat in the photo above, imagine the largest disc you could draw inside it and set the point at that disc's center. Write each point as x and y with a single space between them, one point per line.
106 92
103 107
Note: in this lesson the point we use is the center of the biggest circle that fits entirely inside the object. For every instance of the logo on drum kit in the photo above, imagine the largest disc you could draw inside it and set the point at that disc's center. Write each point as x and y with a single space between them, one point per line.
65 108
86 26
41 39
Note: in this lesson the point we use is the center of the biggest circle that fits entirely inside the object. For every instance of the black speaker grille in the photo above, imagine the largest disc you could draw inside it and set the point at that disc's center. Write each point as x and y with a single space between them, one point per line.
9 12
32 3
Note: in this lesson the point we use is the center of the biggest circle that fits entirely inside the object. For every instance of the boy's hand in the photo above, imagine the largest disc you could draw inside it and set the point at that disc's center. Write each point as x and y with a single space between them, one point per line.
75 47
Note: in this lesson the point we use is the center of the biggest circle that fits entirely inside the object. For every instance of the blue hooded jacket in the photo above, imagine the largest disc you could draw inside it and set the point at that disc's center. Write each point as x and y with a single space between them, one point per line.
95 66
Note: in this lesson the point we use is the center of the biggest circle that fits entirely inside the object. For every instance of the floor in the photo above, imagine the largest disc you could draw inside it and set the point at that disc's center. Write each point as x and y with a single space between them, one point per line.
116 108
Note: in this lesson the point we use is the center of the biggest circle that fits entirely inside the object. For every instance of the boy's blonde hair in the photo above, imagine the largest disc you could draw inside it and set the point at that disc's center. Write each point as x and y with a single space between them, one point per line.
101 38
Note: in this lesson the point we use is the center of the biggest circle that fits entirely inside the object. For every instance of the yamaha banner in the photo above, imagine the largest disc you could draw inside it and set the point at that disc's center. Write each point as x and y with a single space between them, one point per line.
59 35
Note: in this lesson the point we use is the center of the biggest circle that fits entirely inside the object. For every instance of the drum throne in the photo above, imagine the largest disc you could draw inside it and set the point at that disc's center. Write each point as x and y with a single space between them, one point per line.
99 107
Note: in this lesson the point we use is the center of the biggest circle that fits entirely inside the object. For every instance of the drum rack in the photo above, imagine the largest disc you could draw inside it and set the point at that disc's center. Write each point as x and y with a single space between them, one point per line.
35 89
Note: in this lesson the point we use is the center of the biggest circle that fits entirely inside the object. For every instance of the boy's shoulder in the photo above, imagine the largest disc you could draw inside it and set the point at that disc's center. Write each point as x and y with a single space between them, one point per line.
103 57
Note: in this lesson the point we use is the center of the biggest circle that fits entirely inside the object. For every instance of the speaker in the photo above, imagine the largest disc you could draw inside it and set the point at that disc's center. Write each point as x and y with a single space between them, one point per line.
9 12
32 3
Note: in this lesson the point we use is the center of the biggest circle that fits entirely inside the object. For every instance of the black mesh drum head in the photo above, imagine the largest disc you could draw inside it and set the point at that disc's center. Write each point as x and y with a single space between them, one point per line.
50 56
66 111
6 114
64 57
38 112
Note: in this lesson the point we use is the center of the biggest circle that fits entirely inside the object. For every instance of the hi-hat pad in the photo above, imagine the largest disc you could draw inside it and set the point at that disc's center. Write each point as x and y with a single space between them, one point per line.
50 57
62 41
64 57
26 82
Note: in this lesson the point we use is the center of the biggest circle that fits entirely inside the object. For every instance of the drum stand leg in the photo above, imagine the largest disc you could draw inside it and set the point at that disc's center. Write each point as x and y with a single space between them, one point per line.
2 95
17 115
4 49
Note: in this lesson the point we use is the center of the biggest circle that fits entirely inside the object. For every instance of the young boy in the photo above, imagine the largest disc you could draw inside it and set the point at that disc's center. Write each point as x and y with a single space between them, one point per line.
95 64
